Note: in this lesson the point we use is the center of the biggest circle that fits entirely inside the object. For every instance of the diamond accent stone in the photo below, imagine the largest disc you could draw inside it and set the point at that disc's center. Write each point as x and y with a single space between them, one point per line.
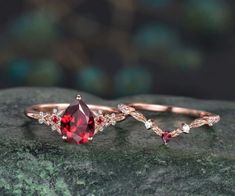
148 124
113 122
210 124
41 121
112 119
185 128
55 111
211 120
125 109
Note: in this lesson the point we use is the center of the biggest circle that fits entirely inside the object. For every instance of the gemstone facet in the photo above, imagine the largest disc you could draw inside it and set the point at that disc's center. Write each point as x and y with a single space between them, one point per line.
77 123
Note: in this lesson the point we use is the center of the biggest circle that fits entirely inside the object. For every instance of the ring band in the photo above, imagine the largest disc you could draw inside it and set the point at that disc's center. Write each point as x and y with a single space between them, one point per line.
76 122
202 118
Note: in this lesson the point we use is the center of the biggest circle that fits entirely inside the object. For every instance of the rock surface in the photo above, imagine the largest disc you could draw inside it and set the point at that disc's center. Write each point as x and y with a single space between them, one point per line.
122 160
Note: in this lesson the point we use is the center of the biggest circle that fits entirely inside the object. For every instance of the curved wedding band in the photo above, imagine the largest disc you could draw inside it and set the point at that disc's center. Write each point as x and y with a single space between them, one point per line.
202 118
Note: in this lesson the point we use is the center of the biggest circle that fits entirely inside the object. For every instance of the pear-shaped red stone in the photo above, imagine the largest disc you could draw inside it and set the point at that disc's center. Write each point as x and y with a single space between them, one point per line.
77 123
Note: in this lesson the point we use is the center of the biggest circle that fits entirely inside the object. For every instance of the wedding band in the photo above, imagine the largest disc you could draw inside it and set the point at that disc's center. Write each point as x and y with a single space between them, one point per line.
202 118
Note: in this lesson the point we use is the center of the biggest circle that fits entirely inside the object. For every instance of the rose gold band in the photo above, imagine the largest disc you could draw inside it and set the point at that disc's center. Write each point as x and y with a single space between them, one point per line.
173 109
34 110
203 118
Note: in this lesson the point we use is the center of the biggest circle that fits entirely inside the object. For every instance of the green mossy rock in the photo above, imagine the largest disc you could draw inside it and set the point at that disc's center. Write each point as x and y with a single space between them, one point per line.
122 160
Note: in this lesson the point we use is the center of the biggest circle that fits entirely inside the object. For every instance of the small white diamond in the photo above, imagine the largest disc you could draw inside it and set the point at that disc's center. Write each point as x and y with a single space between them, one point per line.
41 113
64 137
148 124
53 127
101 129
41 121
210 124
55 110
125 109
113 122
122 108
185 128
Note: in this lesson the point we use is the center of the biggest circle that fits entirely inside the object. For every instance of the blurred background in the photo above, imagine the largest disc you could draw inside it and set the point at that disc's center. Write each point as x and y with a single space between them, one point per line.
116 48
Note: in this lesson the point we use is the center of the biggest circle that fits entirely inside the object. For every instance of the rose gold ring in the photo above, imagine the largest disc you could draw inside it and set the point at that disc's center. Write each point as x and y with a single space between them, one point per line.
202 118
76 123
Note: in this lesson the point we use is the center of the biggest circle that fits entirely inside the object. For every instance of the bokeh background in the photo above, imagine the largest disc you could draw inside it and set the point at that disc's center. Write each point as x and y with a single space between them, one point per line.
116 48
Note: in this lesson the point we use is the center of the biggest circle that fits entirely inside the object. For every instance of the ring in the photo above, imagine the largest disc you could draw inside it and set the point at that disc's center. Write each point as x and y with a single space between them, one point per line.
77 123
202 118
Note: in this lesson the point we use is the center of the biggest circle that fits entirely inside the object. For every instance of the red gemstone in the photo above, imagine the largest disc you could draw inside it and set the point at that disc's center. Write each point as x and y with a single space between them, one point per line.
166 137
100 120
55 119
77 123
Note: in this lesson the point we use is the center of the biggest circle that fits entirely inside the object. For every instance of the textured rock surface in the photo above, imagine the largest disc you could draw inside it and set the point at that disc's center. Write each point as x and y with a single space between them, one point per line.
125 160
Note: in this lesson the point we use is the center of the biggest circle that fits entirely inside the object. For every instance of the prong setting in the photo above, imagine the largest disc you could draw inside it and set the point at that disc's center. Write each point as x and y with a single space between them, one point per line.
78 97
